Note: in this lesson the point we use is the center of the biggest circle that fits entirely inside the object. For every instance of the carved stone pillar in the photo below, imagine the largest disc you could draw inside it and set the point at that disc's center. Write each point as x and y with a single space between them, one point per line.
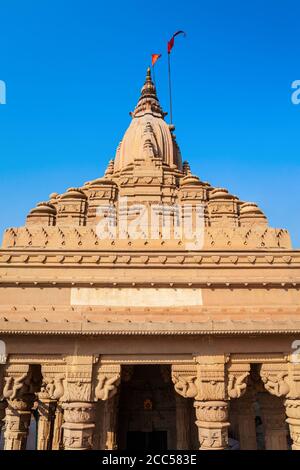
205 381
273 418
212 423
17 421
242 412
46 414
182 423
57 442
49 409
234 419
77 403
21 383
110 422
78 425
3 403
108 380
245 426
211 402
283 380
292 409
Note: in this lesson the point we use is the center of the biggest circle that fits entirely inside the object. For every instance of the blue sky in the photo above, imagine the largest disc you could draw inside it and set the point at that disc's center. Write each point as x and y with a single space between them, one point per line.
74 69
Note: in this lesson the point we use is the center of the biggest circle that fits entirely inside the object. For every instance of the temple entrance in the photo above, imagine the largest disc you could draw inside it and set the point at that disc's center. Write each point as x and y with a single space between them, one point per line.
147 410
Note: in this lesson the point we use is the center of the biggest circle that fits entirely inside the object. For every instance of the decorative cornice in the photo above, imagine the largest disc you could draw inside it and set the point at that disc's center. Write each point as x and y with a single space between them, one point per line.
196 332
150 258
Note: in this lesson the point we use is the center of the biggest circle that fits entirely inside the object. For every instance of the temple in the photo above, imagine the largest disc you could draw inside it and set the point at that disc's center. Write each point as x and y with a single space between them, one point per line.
149 310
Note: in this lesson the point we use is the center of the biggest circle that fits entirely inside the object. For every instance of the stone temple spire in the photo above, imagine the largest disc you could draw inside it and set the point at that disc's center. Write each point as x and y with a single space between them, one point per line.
148 102
148 134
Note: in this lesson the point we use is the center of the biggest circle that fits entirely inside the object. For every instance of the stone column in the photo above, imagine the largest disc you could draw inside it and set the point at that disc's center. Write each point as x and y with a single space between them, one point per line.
17 421
246 428
292 409
21 383
57 443
79 424
283 380
46 416
49 409
212 423
182 423
111 422
273 418
3 403
233 415
206 382
106 390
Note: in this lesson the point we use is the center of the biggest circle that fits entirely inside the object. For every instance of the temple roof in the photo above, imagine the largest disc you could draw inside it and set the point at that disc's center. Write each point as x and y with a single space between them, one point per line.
148 174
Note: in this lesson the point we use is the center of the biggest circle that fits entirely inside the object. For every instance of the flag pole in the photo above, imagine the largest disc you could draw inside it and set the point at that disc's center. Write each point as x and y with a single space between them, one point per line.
170 88
153 74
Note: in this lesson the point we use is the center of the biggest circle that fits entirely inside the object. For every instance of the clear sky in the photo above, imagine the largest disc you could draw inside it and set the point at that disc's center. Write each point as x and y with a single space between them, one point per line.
74 68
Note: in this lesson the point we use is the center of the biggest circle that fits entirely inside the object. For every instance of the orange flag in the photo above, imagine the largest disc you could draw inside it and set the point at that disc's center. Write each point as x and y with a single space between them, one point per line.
155 58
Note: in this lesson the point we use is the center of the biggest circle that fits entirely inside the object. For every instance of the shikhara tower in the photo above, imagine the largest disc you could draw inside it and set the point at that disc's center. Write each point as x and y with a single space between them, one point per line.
92 302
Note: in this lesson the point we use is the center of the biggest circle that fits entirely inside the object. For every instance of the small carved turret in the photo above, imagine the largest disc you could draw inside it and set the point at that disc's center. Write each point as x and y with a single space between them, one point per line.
250 214
102 194
222 208
71 207
43 214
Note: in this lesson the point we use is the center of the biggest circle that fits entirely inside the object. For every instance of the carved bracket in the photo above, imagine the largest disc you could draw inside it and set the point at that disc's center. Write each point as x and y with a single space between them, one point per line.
237 379
54 375
184 379
275 378
20 380
108 380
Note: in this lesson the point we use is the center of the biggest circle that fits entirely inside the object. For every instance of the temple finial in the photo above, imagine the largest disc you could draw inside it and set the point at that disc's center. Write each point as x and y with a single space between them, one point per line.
148 102
148 76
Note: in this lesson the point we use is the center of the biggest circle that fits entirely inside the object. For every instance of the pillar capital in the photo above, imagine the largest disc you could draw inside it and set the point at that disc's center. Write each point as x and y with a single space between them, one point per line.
211 378
77 385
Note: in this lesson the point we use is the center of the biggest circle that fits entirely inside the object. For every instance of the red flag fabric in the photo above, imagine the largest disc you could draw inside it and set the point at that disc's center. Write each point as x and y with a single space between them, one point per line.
171 42
155 58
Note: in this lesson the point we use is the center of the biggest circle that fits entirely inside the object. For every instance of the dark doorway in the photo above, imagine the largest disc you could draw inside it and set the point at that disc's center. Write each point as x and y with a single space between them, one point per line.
147 441
147 409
